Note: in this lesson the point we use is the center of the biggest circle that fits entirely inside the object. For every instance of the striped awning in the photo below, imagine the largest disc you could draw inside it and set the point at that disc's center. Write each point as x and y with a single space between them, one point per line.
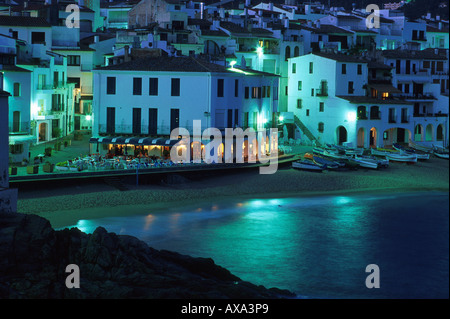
133 140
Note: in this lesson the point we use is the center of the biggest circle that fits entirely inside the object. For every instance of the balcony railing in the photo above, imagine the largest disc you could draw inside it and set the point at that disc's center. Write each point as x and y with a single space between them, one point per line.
417 96
430 114
322 92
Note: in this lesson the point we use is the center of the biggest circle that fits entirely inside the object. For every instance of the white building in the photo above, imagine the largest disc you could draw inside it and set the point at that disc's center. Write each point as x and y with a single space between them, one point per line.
8 196
342 99
149 97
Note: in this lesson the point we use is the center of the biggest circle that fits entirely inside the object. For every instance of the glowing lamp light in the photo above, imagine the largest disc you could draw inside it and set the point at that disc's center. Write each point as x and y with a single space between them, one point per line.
351 116
88 117
259 50
232 63
281 118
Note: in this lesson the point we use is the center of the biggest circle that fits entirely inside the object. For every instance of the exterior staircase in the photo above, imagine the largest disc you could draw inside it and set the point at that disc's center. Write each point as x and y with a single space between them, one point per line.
306 131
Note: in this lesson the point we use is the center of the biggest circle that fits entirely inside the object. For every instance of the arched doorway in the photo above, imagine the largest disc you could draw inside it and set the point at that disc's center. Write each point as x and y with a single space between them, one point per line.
373 137
43 132
440 132
287 53
360 137
418 133
429 133
341 135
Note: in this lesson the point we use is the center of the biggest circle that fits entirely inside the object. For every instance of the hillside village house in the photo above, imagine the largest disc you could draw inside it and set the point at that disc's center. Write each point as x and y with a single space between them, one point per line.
343 99
149 97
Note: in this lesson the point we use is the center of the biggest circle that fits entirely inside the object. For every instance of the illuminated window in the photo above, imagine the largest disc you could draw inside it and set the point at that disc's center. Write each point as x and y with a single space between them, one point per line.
385 95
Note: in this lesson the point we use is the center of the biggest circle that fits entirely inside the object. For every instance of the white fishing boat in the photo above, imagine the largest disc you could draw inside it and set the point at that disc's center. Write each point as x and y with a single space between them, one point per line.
420 147
307 165
383 151
381 162
367 163
441 155
411 158
409 151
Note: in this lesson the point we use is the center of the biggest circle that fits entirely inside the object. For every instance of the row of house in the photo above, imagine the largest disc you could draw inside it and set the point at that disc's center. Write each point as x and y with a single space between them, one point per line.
142 68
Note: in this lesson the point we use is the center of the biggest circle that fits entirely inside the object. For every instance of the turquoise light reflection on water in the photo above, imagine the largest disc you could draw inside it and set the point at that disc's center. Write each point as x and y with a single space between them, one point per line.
317 246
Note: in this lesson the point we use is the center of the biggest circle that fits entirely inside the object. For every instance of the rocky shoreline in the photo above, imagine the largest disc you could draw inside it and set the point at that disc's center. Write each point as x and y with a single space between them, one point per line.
34 256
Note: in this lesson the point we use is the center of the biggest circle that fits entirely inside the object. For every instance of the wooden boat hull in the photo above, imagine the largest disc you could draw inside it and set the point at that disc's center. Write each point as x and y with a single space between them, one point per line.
420 147
442 155
402 158
307 166
365 163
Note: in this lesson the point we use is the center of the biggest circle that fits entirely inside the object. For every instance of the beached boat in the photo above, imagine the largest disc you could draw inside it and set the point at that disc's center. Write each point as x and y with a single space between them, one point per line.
419 147
329 164
383 151
366 163
348 150
381 162
308 165
441 155
406 158
409 151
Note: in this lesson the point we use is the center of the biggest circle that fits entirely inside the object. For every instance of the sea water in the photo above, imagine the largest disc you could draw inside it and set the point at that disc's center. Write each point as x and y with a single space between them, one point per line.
317 247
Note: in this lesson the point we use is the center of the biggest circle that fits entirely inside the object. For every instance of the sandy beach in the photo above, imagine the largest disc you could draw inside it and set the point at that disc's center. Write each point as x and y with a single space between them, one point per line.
65 206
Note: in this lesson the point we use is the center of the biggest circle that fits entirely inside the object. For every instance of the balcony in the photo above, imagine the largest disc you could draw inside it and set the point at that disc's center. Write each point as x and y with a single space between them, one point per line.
322 92
417 96
430 115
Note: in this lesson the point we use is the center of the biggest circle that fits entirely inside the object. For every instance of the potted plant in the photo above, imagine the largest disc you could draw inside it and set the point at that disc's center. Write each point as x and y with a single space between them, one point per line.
62 166
12 170
48 167
77 136
32 169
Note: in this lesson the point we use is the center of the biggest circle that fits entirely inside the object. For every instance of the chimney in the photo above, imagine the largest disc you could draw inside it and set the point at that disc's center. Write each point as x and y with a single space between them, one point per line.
270 6
96 38
247 3
438 18
440 25
428 15
286 23
215 25
126 57
222 13
317 24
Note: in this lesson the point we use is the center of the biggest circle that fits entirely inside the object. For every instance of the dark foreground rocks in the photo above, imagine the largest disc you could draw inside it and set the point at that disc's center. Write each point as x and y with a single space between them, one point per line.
33 260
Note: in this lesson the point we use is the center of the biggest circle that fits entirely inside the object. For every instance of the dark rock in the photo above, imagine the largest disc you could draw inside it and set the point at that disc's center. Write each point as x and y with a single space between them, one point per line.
33 260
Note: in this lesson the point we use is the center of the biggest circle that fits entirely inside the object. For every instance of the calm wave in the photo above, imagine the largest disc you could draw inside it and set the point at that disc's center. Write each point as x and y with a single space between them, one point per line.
317 246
